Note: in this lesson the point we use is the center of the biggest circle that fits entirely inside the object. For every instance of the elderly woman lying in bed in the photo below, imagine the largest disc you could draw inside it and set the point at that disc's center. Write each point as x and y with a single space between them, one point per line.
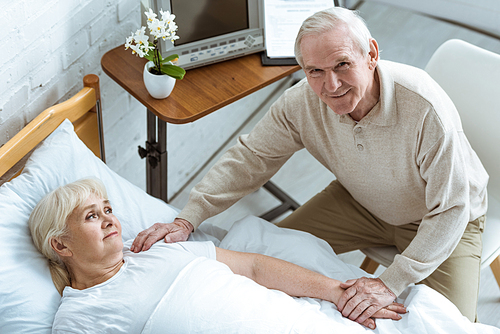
107 288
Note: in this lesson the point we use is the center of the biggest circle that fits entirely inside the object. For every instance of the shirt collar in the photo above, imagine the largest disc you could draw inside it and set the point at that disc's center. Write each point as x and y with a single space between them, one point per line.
385 111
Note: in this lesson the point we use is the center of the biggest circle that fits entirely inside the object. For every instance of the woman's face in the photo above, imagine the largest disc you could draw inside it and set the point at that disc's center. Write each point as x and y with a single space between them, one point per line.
95 234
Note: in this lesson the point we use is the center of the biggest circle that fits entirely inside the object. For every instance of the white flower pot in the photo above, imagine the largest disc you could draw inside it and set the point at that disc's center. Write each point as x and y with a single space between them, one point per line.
158 86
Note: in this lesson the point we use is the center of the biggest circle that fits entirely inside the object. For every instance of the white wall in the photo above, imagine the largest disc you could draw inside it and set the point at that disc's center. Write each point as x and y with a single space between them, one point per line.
47 48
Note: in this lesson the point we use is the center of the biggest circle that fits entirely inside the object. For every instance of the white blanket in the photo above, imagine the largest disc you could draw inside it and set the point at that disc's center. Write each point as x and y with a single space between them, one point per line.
259 310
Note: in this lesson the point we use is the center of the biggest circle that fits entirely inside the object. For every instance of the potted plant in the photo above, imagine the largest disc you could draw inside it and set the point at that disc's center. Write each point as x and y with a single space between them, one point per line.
159 73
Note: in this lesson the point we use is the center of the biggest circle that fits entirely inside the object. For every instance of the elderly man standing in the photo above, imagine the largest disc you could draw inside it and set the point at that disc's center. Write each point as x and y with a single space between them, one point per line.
405 172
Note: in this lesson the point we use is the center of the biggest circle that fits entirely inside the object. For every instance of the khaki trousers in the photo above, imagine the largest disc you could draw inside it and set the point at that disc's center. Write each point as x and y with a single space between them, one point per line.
336 217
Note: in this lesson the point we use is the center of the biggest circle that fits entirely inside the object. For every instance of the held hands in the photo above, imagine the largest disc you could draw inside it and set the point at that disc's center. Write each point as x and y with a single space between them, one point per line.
176 231
365 298
391 311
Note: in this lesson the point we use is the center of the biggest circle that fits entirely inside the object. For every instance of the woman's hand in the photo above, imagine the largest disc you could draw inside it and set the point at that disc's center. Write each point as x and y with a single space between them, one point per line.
176 231
391 311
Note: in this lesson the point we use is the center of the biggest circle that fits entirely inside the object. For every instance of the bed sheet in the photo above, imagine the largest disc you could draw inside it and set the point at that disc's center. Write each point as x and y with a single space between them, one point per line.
428 311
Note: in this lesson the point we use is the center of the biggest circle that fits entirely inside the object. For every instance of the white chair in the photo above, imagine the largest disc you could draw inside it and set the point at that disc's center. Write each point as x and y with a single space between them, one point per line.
471 77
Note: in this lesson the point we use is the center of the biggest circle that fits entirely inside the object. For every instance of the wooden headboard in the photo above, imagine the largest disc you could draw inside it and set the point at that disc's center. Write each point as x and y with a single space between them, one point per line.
83 110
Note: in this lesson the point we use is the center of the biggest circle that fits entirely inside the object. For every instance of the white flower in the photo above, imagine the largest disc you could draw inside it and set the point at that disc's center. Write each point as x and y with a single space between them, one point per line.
156 28
150 14
140 37
137 50
164 29
139 43
140 32
172 26
128 41
167 17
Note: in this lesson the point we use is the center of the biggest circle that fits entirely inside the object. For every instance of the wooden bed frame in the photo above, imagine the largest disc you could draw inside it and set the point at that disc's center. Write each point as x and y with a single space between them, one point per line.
83 110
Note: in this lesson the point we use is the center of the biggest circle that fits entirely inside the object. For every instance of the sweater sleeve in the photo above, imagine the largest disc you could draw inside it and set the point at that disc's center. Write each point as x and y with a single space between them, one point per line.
443 169
245 167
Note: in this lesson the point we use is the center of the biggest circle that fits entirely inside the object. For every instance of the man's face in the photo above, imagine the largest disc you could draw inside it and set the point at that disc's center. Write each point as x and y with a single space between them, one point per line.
339 74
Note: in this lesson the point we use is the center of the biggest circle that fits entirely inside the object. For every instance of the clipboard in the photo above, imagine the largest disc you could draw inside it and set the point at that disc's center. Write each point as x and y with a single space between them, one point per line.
266 61
282 21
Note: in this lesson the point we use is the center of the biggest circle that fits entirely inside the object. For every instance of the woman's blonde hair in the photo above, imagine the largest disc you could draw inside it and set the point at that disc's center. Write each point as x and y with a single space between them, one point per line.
329 19
49 217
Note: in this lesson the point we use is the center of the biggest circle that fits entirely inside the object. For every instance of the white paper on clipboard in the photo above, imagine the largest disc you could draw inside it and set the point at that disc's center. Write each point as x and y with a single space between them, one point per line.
282 20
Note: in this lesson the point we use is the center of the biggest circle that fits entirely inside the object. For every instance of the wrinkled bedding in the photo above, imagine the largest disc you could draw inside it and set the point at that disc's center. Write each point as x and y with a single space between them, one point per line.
220 302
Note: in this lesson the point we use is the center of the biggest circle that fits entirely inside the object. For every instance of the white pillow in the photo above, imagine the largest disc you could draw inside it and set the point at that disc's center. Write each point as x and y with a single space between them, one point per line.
28 298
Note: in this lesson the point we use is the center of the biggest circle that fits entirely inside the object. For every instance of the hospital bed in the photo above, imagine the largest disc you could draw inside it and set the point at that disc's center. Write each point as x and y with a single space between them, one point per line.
67 148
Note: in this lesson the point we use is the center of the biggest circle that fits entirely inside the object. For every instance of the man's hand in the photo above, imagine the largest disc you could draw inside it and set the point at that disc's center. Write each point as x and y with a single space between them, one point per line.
363 298
176 231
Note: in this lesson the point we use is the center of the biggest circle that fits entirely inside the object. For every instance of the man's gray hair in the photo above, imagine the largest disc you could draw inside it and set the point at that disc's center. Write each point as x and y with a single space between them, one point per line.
329 19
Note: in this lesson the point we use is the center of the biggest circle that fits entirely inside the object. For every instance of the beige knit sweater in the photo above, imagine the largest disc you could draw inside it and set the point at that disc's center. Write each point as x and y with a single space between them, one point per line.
407 161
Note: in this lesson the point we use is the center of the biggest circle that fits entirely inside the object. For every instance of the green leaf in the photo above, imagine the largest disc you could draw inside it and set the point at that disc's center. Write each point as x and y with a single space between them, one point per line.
149 56
173 71
170 58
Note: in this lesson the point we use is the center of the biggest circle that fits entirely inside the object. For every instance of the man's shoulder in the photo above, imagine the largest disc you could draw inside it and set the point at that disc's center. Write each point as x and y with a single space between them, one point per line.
417 95
411 77
414 84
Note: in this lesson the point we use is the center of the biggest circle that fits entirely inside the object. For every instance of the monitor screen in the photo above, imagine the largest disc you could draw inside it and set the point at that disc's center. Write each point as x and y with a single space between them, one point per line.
202 19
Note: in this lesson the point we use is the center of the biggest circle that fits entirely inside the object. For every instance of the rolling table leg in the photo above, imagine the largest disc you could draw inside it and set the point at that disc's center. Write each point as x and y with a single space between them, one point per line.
148 153
156 154
157 169
287 203
163 160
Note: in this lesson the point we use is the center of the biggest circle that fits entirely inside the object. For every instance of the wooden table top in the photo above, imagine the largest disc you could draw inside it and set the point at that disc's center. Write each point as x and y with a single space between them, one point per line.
202 91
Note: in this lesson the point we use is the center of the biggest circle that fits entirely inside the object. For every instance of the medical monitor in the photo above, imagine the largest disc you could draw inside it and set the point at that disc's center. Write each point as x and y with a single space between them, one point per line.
213 30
